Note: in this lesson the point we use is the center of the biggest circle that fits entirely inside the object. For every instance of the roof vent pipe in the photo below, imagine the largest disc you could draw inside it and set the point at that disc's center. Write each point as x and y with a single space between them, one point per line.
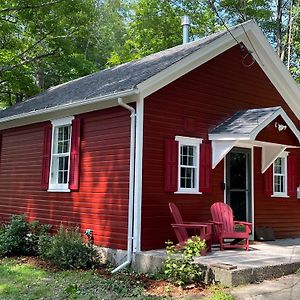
185 23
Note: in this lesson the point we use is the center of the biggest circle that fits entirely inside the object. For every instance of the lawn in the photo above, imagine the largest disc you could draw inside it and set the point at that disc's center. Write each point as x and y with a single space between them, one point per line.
21 279
27 278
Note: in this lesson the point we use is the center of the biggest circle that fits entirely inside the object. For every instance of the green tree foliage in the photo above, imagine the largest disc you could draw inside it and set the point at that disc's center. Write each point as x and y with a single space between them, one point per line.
48 42
154 25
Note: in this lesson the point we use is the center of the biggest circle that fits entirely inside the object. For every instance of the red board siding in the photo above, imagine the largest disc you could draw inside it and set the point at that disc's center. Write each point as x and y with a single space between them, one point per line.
271 134
282 214
206 96
102 198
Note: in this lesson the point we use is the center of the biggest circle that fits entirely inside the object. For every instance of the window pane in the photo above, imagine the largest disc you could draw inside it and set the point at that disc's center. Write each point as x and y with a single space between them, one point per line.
60 147
66 146
66 177
187 155
278 166
66 133
279 184
187 177
60 177
60 163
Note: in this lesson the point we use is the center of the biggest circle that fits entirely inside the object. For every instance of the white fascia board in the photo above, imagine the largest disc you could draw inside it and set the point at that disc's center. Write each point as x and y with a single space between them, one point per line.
228 137
188 63
272 66
265 123
61 111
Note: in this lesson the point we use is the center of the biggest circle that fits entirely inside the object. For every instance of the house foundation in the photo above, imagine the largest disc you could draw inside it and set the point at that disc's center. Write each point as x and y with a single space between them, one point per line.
263 261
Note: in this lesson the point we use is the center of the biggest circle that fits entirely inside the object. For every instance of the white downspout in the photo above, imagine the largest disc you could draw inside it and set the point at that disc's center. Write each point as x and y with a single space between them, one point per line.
131 187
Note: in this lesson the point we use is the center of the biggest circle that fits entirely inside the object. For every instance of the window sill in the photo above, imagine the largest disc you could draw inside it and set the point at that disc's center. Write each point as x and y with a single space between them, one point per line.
190 193
58 191
280 196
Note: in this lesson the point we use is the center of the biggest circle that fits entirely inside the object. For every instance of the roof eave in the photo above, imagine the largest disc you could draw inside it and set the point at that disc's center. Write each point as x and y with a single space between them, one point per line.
82 106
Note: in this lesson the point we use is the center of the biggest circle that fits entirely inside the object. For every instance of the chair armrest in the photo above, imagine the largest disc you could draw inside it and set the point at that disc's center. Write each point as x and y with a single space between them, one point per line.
216 223
189 225
242 223
204 230
248 226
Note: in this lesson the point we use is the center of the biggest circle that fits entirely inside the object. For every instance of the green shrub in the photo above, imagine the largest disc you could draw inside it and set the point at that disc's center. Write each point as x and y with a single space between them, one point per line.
67 250
179 266
20 237
37 232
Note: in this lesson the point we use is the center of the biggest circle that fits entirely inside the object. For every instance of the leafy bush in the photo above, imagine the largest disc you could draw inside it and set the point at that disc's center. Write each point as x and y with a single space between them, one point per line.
20 237
67 250
179 266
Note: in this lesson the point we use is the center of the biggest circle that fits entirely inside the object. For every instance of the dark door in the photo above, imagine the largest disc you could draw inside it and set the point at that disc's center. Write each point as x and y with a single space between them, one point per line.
238 183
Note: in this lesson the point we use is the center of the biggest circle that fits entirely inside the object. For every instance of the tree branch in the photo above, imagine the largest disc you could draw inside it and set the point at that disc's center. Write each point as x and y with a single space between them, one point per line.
26 61
17 8
31 46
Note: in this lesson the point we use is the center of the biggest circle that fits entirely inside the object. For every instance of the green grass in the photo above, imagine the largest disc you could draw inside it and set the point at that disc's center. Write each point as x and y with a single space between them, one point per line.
23 281
218 293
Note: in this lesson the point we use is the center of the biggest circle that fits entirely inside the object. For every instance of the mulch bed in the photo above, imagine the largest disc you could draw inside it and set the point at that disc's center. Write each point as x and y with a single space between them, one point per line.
155 287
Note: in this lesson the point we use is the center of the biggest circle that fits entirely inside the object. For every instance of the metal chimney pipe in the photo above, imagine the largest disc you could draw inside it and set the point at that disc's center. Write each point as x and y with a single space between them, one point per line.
185 23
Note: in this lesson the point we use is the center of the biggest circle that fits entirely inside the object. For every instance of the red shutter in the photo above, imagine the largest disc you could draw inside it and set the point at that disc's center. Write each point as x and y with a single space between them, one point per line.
75 155
268 181
0 143
171 166
205 182
292 178
46 157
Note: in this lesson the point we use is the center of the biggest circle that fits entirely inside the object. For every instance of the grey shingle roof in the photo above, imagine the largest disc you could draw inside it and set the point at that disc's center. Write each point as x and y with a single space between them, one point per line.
244 122
124 77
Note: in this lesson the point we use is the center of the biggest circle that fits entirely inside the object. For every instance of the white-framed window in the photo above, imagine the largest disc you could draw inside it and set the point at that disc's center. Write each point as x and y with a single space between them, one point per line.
60 155
188 164
280 175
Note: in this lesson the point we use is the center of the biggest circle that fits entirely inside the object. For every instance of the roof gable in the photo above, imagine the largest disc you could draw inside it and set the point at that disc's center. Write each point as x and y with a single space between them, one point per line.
247 124
147 75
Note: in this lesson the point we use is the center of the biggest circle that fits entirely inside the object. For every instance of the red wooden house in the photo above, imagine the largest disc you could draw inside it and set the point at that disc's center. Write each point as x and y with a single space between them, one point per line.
211 120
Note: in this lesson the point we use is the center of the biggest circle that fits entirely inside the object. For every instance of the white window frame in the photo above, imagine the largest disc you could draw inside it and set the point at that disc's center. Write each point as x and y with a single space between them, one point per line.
53 186
189 141
284 194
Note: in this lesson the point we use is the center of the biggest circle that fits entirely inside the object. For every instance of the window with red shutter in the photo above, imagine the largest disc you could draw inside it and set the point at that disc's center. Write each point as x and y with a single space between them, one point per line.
182 165
60 155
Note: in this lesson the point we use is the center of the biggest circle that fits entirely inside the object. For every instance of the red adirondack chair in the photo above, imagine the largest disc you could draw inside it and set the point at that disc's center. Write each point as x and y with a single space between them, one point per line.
224 227
204 230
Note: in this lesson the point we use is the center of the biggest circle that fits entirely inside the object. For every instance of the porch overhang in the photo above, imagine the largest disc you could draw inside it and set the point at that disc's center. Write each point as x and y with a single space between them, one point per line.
241 130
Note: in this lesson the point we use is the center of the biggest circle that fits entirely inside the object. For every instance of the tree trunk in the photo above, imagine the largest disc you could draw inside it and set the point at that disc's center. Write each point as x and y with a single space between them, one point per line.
290 36
41 78
279 27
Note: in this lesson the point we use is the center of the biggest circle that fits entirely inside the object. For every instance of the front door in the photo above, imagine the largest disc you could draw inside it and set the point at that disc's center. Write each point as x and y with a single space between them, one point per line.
238 183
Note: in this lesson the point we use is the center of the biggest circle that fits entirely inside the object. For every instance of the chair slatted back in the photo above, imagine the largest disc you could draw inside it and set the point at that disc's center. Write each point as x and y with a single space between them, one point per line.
222 212
181 233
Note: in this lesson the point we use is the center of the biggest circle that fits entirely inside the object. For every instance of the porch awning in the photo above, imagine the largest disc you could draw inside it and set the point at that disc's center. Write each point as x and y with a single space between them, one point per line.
242 129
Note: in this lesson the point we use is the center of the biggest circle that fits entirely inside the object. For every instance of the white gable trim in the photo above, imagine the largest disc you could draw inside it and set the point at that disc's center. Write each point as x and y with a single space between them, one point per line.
268 60
286 119
223 143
